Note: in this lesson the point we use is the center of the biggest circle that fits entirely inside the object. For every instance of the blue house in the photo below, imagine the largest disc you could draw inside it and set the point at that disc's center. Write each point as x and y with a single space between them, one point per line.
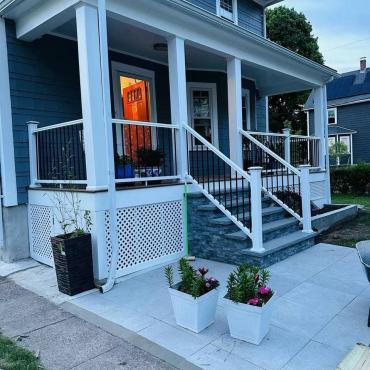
125 102
348 115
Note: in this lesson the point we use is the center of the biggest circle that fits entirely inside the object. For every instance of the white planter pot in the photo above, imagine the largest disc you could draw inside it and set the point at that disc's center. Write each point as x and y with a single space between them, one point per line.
249 323
194 314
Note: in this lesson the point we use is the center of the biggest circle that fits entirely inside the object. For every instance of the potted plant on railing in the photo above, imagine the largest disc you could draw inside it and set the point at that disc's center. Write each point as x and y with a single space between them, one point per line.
124 167
249 303
72 250
150 161
194 298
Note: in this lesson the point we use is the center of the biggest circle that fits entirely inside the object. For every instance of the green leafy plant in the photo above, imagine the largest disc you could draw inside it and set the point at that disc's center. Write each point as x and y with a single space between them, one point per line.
338 150
123 160
149 157
193 282
248 284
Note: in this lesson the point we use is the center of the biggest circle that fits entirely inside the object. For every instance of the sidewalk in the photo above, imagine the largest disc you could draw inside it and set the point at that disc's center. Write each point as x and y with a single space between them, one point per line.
62 340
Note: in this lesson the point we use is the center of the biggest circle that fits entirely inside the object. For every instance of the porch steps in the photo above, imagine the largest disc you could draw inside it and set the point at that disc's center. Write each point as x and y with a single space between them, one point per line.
214 236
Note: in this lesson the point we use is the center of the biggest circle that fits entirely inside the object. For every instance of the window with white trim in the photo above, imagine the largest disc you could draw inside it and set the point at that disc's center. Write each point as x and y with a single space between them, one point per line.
227 9
332 116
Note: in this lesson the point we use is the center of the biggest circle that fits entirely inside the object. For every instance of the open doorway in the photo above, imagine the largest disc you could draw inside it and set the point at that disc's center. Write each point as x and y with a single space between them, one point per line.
134 101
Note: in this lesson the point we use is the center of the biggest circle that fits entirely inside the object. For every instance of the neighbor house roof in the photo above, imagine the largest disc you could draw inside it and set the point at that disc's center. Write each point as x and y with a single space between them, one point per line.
351 87
339 130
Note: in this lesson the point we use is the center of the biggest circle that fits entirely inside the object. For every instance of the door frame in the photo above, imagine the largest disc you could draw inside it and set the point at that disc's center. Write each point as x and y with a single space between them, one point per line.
132 72
246 93
212 87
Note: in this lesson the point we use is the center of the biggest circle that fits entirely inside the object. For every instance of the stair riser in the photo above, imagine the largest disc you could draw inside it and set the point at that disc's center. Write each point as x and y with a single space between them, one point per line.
285 230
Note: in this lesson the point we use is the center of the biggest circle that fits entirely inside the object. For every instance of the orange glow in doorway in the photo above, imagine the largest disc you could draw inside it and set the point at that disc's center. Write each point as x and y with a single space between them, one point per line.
136 107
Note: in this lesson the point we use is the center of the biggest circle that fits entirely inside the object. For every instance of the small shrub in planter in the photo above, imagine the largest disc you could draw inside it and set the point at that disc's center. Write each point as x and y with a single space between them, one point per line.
249 303
124 167
149 161
194 298
72 250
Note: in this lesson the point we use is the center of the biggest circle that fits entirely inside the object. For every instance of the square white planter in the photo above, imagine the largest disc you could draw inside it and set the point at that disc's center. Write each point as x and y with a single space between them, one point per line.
247 322
194 314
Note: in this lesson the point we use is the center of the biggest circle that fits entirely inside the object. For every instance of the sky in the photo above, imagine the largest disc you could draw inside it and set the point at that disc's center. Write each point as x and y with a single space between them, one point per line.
343 29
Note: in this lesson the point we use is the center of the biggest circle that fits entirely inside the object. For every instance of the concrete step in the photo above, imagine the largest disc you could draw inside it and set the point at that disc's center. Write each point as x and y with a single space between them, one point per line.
282 243
235 202
267 228
266 212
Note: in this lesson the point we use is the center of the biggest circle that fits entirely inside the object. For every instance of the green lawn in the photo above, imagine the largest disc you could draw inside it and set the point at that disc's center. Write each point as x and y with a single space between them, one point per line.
14 357
351 232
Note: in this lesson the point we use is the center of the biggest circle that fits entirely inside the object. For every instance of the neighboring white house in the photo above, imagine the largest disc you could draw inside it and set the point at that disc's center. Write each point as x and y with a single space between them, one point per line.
184 85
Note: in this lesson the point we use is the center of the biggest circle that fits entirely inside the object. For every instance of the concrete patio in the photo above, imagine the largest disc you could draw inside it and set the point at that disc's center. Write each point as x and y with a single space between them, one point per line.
320 315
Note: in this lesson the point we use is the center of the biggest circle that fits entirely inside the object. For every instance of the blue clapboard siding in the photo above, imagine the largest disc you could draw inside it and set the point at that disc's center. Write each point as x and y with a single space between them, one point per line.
209 5
261 114
251 16
44 84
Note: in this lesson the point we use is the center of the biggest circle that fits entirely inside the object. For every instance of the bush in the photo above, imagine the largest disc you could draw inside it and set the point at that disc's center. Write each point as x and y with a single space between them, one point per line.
353 179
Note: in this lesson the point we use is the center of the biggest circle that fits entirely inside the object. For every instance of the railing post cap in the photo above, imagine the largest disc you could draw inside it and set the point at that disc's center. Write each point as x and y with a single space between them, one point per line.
286 129
255 168
304 166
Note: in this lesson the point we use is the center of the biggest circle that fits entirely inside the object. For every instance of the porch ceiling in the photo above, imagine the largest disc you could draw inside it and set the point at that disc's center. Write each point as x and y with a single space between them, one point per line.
128 39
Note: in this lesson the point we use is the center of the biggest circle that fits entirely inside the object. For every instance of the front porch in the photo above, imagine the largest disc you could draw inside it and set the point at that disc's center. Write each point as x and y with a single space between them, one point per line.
162 105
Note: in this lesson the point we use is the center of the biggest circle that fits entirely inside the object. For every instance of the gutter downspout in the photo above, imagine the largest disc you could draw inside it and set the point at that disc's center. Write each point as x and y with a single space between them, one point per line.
103 38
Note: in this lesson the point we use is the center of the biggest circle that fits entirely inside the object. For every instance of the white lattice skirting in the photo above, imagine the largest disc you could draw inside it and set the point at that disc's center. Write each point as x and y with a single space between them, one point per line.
147 235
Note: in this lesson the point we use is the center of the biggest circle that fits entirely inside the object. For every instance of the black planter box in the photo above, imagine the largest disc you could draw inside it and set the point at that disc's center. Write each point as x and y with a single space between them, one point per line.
73 263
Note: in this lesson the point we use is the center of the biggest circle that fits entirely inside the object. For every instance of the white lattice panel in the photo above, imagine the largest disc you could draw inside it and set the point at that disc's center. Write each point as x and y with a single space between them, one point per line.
146 235
41 227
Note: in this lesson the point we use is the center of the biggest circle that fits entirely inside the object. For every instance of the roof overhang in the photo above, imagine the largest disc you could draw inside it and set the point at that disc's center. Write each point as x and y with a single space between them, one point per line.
266 3
199 28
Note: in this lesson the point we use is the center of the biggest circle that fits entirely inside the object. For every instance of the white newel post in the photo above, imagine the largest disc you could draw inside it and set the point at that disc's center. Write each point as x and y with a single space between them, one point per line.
234 94
286 132
256 207
179 110
32 149
306 198
89 57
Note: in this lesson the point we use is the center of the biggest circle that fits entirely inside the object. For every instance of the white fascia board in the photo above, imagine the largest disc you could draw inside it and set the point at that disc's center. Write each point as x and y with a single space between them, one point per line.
266 3
43 18
201 28
7 160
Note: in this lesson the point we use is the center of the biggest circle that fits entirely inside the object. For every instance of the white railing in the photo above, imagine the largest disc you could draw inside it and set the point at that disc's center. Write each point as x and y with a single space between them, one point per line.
295 149
57 154
282 182
145 151
217 177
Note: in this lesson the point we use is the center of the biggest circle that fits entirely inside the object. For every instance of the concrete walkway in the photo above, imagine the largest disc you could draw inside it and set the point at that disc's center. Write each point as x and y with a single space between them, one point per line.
62 340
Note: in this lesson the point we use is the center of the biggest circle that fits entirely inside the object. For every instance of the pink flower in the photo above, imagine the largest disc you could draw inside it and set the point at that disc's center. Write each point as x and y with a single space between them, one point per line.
264 290
203 271
253 301
208 285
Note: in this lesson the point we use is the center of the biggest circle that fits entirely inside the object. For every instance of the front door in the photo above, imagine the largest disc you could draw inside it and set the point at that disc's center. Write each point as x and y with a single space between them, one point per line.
246 110
134 101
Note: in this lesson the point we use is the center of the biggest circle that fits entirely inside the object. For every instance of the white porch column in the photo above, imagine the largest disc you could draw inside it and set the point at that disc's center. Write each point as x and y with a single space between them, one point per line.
321 121
92 97
179 106
321 130
306 198
8 177
234 94
256 208
286 132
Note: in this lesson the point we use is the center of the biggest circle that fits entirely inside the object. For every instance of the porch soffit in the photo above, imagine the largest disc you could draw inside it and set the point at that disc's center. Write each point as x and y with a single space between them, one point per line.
200 28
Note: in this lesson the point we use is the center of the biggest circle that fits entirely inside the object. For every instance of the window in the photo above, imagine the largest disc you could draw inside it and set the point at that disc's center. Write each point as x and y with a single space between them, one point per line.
332 116
227 9
346 141
203 111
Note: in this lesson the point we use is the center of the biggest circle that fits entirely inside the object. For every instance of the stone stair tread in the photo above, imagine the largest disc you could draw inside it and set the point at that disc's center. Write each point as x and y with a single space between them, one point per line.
212 207
283 242
224 220
267 227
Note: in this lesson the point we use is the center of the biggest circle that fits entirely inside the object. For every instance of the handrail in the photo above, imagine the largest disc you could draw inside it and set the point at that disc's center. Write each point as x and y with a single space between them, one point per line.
217 152
281 135
58 125
143 123
305 137
270 152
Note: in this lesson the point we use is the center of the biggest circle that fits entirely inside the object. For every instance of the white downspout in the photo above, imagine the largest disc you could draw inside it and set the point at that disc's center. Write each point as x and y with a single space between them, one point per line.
104 67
